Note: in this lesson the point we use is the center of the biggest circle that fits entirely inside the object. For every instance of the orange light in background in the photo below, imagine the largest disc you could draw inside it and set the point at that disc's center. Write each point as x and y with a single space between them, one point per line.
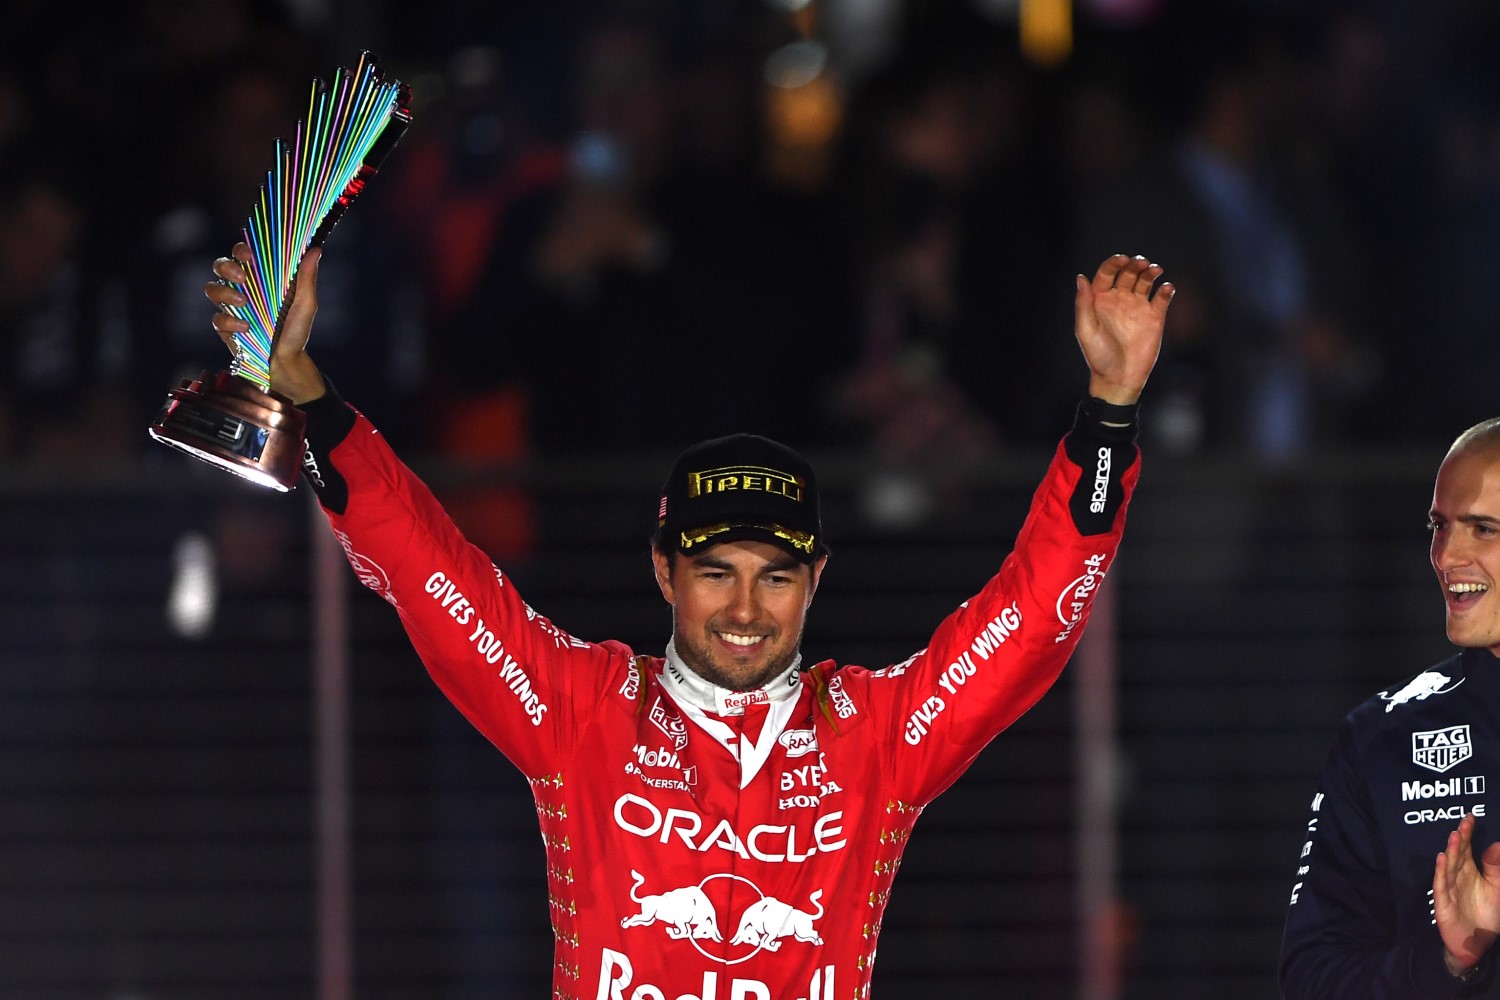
1046 31
803 121
803 109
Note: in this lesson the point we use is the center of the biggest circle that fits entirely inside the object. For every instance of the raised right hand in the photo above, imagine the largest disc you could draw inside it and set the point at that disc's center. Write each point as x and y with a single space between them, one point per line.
1466 898
293 373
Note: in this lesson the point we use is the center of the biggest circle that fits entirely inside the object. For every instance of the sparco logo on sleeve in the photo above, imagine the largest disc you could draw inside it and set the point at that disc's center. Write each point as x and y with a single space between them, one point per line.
310 466
1441 749
1101 483
843 705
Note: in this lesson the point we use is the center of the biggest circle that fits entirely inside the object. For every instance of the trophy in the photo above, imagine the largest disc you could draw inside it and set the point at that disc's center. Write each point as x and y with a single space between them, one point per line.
233 420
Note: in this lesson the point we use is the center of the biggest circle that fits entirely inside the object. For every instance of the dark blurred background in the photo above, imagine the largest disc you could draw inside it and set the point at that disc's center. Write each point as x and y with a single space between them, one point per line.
616 228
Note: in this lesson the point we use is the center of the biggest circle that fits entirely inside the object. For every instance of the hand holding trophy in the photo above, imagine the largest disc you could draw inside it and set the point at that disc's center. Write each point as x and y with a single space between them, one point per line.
233 419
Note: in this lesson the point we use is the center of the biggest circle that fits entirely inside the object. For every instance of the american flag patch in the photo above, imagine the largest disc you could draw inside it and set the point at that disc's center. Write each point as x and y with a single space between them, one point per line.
661 514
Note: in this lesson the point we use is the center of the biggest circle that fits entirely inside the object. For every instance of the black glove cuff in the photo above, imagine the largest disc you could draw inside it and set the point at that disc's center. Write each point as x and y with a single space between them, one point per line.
1097 410
329 421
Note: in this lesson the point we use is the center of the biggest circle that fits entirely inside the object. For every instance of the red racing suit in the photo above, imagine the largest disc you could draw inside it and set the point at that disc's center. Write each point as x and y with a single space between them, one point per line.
697 848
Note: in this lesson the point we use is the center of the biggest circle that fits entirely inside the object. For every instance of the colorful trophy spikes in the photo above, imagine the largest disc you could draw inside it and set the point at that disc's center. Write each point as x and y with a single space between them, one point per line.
233 419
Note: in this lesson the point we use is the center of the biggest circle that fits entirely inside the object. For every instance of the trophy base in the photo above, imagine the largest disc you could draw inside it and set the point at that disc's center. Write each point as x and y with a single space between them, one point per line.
234 425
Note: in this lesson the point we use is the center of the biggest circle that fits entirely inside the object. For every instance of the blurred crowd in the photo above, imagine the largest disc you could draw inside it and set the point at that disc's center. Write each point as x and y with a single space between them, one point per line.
624 226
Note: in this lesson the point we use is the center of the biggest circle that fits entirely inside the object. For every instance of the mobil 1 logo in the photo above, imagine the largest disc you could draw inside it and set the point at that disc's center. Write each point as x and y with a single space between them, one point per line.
1442 750
1432 801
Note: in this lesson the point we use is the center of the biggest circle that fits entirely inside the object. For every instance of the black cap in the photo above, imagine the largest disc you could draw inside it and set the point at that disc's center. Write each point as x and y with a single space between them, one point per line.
737 487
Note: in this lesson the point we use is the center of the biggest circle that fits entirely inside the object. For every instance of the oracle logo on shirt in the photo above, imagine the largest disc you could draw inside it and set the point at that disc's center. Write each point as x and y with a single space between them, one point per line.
769 842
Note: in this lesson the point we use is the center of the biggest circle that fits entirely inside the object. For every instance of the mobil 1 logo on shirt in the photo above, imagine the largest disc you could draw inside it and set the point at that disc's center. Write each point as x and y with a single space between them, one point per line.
1440 750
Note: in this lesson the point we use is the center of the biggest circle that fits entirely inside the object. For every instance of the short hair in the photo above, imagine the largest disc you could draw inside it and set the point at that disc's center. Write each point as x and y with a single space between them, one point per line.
1484 435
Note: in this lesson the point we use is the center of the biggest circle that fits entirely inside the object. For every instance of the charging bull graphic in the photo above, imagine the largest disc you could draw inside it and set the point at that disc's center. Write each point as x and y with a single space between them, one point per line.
687 912
766 921
1419 688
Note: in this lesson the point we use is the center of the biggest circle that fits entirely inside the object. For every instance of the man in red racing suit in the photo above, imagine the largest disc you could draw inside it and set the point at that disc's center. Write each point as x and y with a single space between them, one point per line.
734 843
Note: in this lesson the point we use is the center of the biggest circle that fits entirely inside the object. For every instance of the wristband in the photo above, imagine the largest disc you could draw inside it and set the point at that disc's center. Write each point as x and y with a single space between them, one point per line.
329 419
1094 408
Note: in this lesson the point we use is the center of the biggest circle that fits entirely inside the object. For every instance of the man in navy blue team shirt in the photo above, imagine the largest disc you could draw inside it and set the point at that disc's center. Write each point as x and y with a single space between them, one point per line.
1389 901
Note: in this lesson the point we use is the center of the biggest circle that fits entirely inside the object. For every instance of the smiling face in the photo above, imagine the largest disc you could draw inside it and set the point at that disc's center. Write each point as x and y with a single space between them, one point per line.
1465 525
737 609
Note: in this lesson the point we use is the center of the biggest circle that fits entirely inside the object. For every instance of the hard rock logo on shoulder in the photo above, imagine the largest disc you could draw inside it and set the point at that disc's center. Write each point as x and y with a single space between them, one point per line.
1442 749
368 571
1077 595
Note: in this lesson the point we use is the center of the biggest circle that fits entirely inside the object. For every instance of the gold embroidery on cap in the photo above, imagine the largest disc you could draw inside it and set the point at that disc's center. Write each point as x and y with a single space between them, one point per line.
800 540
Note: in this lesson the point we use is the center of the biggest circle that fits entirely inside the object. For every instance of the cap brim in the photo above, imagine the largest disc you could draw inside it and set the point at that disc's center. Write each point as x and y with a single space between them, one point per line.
803 548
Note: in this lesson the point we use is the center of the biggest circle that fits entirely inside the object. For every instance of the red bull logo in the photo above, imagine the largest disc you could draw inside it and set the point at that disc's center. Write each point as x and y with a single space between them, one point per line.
699 914
687 913
740 700
616 972
767 920
1419 688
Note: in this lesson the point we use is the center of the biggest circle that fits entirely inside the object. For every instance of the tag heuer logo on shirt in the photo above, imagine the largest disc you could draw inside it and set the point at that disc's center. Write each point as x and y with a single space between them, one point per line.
669 723
1441 749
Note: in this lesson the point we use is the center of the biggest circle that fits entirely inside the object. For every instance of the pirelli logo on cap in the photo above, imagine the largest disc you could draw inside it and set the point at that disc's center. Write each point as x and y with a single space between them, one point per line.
749 478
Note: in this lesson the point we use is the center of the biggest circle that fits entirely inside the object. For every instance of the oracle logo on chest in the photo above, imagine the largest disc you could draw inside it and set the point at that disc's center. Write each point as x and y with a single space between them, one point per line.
770 842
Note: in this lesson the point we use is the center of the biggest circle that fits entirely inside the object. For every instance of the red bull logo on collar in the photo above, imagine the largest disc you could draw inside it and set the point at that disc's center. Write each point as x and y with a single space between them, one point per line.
1419 688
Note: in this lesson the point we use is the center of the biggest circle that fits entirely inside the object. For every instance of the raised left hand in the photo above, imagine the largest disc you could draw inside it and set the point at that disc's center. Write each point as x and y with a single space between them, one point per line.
1119 324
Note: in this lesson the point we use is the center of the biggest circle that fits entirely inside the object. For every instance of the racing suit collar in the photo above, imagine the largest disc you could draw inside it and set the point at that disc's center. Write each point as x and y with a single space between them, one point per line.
688 687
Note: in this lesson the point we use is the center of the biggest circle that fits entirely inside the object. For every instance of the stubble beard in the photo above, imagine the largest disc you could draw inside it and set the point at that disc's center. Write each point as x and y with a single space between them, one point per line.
1473 635
695 653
